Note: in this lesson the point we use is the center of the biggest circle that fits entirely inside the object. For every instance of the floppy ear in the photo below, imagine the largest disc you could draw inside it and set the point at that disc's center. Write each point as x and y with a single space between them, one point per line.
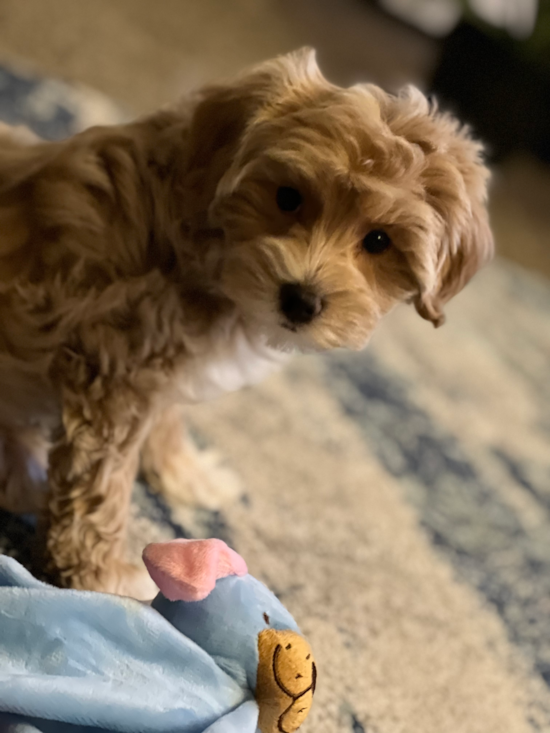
454 179
225 111
458 263
187 570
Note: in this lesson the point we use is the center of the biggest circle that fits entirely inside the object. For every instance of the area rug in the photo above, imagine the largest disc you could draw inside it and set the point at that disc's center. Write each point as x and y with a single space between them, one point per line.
397 500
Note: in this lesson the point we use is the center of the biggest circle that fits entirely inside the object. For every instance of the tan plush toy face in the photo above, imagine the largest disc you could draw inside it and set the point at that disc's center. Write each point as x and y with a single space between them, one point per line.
286 681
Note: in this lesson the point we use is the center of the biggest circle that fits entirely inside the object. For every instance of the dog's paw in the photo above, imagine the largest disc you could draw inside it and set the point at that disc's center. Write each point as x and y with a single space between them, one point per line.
121 579
135 582
195 478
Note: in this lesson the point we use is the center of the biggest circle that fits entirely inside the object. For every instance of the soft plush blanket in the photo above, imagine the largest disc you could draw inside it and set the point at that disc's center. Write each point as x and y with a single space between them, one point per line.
92 658
214 652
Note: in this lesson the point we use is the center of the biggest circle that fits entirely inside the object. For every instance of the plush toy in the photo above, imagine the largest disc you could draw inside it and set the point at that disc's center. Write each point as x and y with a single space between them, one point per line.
215 652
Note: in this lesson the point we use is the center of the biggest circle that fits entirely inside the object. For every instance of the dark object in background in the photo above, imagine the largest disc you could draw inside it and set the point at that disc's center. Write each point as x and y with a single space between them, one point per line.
504 96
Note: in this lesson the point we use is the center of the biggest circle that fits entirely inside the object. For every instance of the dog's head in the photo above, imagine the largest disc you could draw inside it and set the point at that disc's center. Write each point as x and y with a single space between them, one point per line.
335 204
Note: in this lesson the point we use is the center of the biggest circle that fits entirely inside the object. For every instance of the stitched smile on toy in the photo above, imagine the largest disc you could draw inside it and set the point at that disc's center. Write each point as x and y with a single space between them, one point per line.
301 702
286 680
279 678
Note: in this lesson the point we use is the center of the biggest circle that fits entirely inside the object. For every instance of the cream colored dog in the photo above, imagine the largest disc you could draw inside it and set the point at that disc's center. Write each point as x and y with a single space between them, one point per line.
164 262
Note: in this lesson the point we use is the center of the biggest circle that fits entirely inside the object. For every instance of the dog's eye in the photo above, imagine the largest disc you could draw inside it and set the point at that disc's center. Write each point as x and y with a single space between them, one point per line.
288 199
376 242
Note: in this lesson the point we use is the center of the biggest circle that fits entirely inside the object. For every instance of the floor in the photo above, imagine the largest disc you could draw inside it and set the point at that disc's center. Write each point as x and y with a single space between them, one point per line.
143 54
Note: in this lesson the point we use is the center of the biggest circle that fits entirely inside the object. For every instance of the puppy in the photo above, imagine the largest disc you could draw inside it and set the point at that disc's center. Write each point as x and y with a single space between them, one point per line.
166 261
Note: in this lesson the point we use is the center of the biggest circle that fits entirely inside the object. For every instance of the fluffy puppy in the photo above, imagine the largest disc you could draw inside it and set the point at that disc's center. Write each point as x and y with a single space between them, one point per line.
166 261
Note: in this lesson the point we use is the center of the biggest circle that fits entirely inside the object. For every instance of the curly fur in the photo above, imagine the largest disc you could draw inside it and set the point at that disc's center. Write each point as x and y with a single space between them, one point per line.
140 266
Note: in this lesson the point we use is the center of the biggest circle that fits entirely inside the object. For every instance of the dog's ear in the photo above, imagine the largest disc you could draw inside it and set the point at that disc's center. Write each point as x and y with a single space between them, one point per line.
460 256
455 179
225 111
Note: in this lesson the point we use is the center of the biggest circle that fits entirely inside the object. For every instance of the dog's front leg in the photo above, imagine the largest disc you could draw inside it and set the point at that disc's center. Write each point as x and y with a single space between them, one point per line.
91 472
174 466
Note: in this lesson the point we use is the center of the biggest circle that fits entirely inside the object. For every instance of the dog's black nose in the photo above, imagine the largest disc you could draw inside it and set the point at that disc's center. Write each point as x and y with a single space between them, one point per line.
299 303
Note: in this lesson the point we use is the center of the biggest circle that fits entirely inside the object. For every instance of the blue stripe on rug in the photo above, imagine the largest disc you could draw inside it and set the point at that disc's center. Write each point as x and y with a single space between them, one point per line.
465 518
19 105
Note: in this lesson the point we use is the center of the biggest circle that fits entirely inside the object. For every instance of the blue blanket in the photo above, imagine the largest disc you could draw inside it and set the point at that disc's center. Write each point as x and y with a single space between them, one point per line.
83 662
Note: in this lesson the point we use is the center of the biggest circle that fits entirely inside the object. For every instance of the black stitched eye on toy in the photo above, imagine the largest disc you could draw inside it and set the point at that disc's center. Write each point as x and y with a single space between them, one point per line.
289 199
266 618
376 242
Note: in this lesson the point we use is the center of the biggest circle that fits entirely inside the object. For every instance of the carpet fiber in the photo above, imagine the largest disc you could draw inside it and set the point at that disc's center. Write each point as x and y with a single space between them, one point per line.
397 501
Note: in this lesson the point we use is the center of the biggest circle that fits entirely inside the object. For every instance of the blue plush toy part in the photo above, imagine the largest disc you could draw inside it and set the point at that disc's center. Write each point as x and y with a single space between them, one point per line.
205 622
84 662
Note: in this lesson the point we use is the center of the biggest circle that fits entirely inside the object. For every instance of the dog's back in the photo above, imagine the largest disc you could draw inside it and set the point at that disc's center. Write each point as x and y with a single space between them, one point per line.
20 157
60 249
